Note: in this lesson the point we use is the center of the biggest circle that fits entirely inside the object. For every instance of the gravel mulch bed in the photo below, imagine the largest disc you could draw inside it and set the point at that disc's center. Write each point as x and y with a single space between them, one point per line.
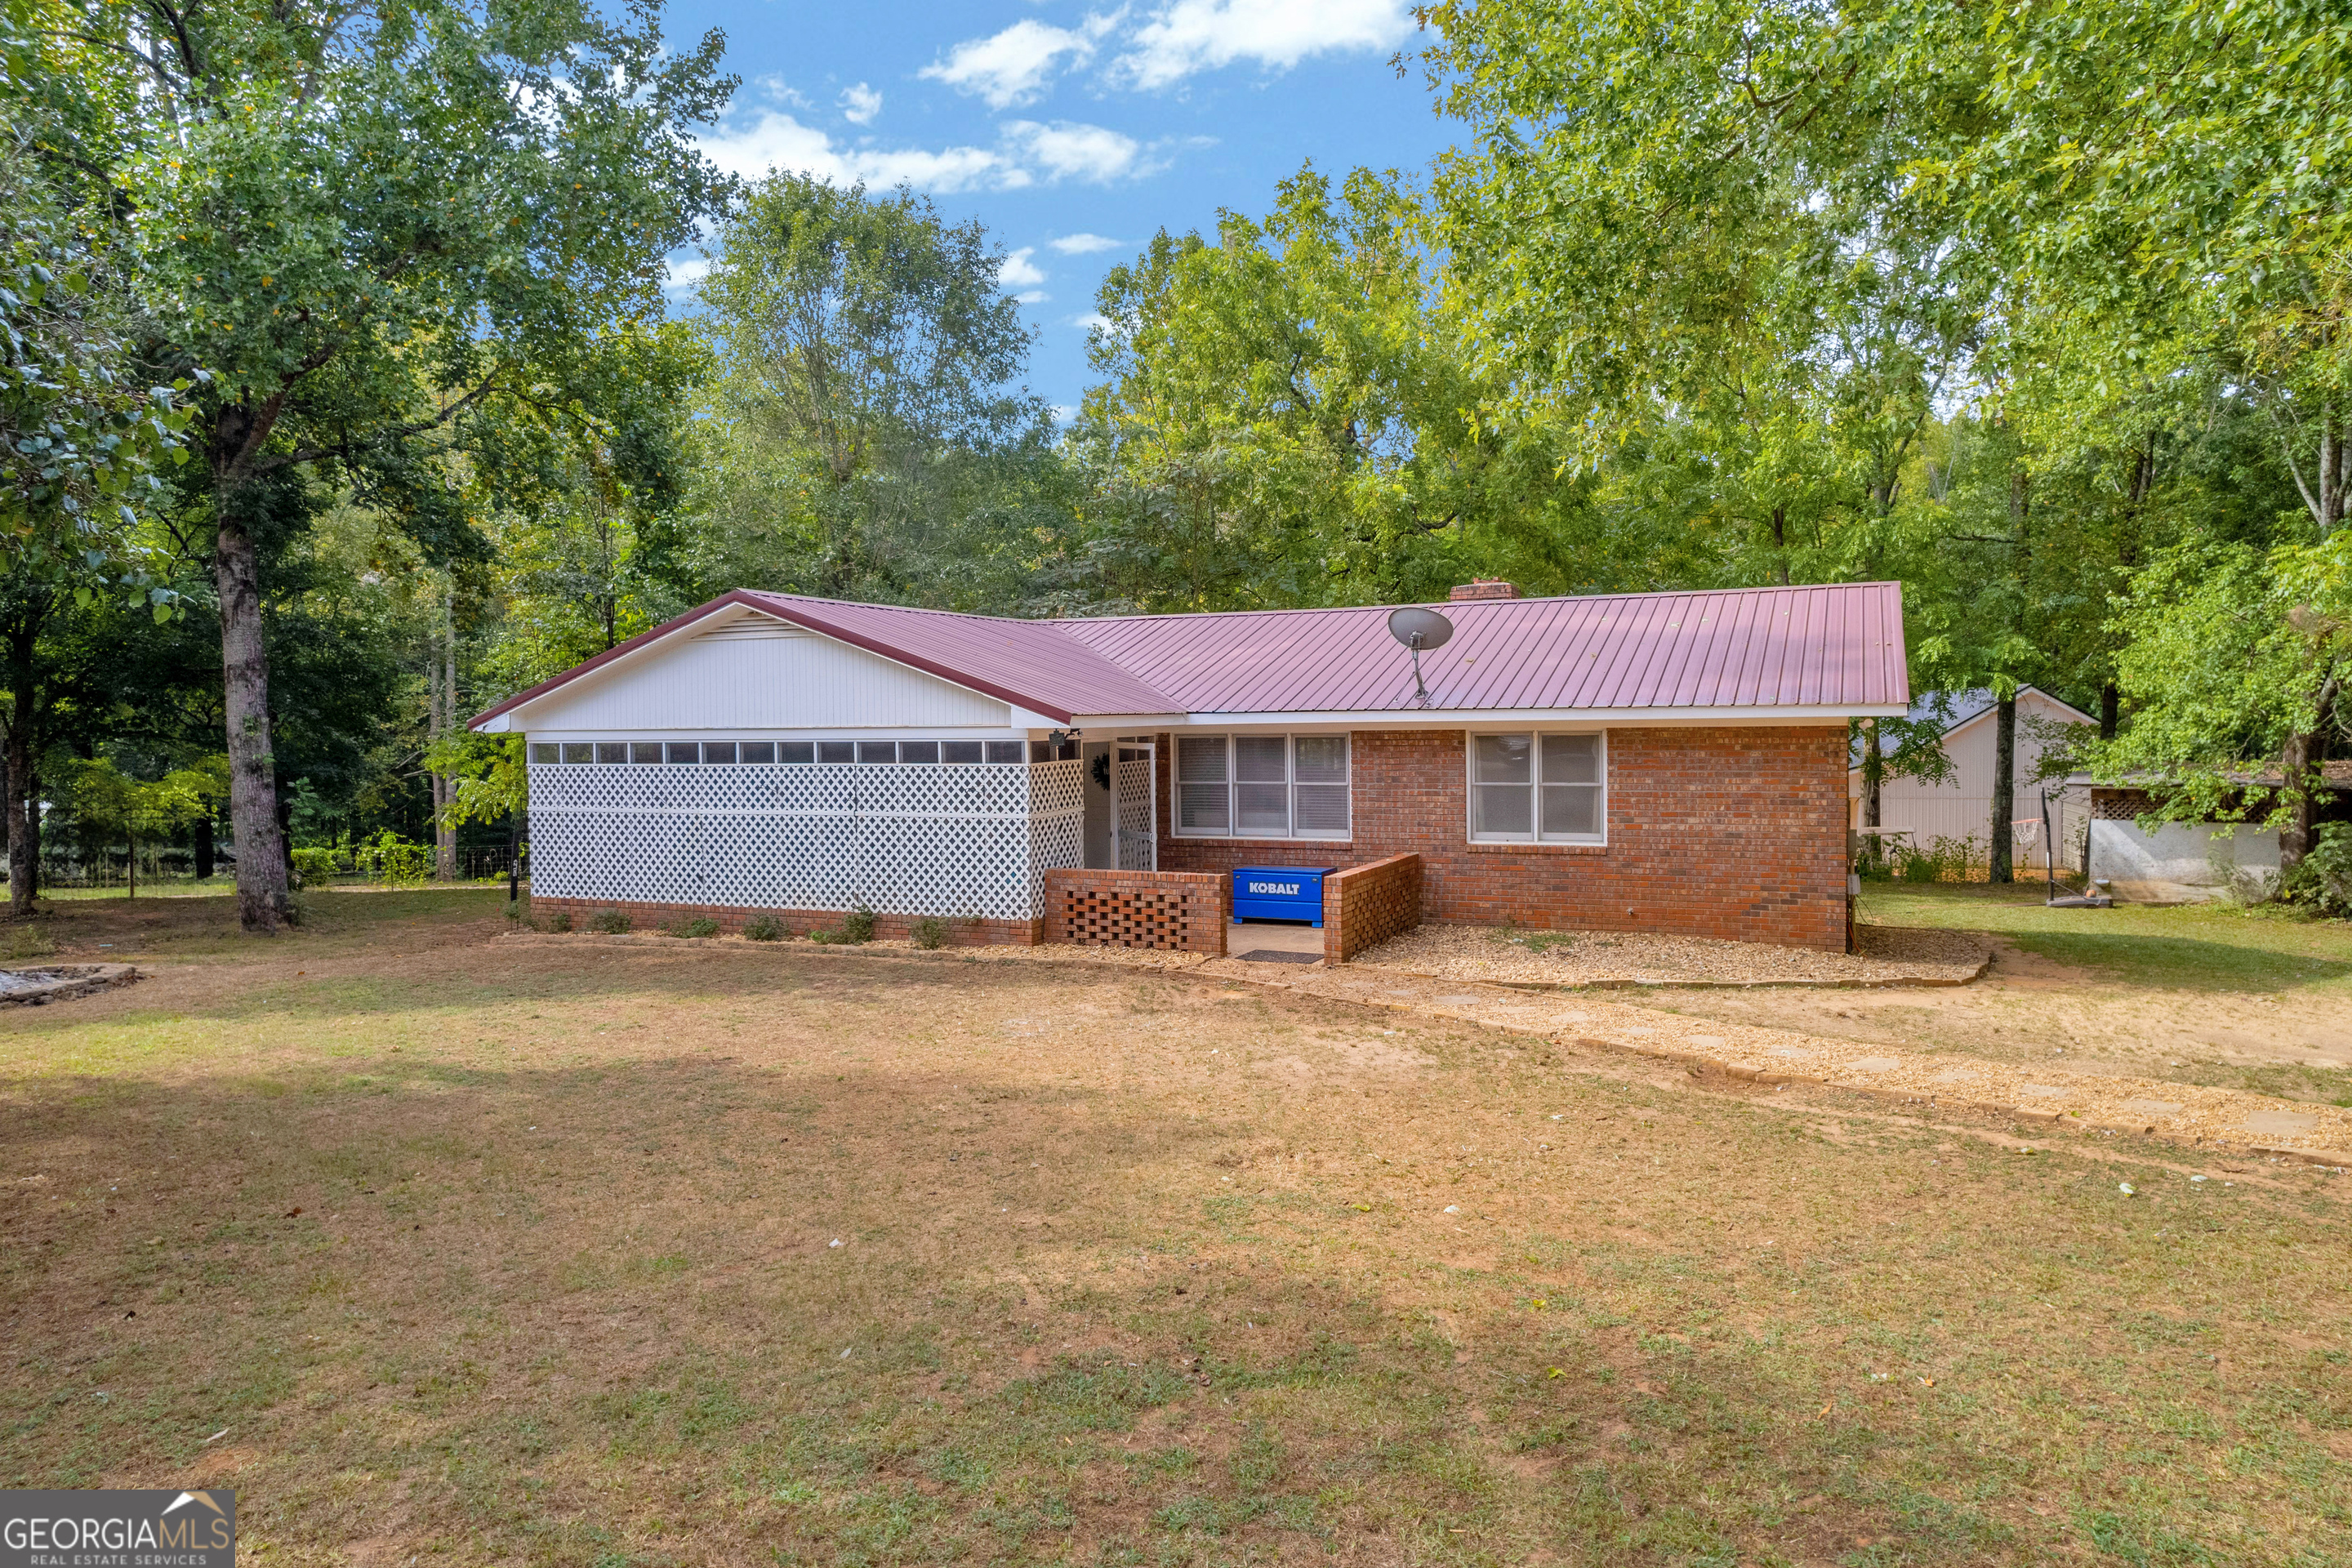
1890 955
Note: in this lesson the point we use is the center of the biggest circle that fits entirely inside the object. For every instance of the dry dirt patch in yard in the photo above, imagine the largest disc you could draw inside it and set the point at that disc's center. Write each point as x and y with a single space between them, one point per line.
2215 997
1890 956
479 1251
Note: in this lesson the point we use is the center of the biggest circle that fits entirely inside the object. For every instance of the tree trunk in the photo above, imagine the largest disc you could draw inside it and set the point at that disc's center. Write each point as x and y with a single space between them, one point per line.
32 808
1873 778
2304 751
2110 711
24 807
204 845
444 722
2004 786
261 881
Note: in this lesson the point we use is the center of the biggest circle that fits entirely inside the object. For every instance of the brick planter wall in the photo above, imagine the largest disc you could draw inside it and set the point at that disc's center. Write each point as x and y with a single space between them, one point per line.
1733 833
1363 906
1186 912
797 922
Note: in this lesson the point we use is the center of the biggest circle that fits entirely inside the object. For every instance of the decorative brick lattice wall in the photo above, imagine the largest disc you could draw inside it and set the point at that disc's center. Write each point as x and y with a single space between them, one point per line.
1736 832
1363 906
1179 910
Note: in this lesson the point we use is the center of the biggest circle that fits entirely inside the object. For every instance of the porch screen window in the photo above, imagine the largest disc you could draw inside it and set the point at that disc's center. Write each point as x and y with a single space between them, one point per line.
1262 786
1529 788
546 752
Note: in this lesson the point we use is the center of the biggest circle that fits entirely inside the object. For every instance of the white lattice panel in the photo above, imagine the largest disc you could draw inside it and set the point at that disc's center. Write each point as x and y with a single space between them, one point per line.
956 840
1138 847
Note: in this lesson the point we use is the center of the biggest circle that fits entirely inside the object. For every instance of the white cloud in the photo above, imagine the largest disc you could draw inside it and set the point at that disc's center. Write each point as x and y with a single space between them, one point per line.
1013 65
1019 272
860 104
688 273
1068 151
1032 297
778 140
1190 35
1083 244
1027 153
1094 322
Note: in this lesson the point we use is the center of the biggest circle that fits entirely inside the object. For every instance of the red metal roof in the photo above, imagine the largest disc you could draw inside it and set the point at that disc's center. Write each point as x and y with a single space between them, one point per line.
1833 646
1032 663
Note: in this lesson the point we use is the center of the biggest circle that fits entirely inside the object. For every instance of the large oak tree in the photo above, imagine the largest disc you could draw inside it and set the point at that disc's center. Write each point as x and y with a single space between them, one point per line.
367 221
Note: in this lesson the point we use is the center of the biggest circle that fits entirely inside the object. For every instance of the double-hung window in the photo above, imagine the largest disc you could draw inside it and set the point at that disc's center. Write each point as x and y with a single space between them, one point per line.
1262 786
1529 788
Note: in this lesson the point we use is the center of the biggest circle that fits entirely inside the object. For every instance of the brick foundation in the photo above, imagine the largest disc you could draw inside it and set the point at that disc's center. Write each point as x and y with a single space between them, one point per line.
1363 906
797 922
1732 832
1185 912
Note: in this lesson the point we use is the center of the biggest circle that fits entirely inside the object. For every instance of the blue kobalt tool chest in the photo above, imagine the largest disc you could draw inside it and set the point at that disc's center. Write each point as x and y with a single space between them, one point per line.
1279 892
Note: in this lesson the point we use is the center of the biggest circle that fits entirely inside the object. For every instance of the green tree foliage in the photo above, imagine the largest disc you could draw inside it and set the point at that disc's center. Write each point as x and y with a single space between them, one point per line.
1289 417
2238 658
1671 238
871 439
366 222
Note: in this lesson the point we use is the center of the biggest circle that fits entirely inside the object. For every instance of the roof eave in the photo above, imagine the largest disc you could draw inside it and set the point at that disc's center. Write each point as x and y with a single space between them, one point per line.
1455 718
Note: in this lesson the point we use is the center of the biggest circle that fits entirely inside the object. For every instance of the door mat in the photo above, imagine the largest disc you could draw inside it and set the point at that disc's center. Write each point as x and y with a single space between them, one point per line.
1273 955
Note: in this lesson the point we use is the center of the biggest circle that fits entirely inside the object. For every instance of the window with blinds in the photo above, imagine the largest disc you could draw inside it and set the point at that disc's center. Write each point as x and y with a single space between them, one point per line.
1262 786
1530 788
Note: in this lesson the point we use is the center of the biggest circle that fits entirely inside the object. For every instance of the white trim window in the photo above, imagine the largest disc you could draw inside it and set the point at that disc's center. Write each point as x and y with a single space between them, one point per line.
1528 787
1262 786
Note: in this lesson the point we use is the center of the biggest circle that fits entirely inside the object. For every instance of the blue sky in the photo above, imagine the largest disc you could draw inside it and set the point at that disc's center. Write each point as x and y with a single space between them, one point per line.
1072 130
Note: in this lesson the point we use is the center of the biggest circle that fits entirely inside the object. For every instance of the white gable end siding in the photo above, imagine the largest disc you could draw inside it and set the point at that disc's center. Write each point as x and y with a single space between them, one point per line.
1962 807
735 681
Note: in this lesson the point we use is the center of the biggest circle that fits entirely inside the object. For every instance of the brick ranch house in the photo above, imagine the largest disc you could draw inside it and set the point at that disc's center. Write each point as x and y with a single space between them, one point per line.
1644 762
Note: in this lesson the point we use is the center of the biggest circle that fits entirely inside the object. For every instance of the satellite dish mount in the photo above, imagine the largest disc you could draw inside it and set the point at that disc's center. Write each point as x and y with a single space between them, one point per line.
1418 628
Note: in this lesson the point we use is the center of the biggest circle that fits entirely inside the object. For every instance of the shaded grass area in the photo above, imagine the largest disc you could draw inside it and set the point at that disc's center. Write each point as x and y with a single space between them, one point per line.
542 1253
2202 947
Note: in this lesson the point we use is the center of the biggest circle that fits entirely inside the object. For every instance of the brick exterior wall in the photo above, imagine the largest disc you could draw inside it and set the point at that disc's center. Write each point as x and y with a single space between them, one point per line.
1363 906
1736 832
1183 911
797 922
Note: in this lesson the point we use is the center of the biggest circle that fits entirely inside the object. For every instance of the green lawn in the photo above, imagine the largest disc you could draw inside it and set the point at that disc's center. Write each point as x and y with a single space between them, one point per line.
2204 947
552 1251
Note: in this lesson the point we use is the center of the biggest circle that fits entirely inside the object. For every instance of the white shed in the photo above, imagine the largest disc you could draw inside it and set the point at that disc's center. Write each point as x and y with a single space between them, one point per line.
1962 807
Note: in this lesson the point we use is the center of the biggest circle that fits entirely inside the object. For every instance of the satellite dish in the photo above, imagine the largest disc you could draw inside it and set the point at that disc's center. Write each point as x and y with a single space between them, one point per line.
1418 628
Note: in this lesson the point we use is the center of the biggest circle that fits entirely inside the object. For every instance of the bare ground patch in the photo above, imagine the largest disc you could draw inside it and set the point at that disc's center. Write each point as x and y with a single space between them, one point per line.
1890 956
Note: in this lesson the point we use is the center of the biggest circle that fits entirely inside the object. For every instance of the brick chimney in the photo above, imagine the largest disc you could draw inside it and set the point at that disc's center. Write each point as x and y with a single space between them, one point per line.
1485 588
